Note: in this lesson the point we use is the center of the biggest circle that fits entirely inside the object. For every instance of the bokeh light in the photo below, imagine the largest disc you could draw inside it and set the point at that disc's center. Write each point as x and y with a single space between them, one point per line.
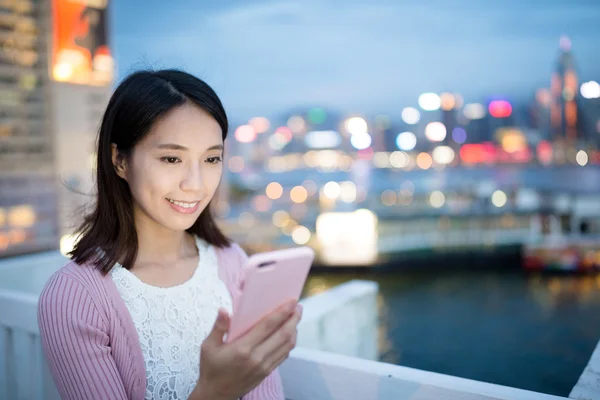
360 141
274 190
317 115
435 131
424 161
448 102
399 159
259 124
411 115
582 158
406 141
437 199
236 164
381 160
459 135
245 134
347 192
280 218
499 198
388 197
301 235
298 194
356 125
474 111
331 190
590 90
429 101
443 155
296 124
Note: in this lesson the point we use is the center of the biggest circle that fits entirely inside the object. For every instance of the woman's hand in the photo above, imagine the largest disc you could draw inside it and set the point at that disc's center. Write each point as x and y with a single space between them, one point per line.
230 370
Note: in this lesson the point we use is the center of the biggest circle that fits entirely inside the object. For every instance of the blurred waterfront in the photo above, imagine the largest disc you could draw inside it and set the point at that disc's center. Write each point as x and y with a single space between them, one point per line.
526 330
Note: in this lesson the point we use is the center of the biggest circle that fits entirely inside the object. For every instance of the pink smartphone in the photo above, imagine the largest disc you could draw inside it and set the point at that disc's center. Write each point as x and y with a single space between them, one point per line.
270 279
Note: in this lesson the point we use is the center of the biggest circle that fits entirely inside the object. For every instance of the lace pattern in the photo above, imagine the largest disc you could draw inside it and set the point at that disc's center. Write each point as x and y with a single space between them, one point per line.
173 322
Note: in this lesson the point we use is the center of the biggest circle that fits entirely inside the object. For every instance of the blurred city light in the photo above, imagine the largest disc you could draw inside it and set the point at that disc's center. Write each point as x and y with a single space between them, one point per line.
499 198
317 115
236 164
437 199
280 218
590 90
459 135
260 124
435 131
296 124
245 134
331 190
356 125
430 101
347 192
448 102
406 141
582 158
360 141
348 238
544 152
411 115
443 155
274 190
399 159
322 139
474 111
500 108
301 235
388 197
381 159
298 194
424 160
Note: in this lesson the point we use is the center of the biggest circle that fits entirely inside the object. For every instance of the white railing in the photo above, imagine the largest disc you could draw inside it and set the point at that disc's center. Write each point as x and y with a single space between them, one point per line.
341 321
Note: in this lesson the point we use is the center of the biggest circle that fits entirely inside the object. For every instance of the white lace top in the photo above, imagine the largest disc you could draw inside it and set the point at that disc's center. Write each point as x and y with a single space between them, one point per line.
173 322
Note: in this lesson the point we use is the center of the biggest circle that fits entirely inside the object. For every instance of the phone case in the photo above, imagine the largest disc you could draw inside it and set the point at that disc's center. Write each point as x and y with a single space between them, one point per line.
270 279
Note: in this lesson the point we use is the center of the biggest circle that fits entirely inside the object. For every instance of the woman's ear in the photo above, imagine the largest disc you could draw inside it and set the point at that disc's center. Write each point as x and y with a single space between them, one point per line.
119 162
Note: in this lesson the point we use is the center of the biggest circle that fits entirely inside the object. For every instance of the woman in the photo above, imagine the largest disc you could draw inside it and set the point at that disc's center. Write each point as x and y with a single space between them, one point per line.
143 308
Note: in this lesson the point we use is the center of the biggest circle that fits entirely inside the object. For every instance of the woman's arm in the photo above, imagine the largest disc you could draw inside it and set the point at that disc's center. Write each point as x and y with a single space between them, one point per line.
75 342
269 389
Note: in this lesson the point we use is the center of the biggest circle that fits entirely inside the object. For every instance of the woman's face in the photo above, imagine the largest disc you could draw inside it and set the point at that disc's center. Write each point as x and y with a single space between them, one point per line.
175 170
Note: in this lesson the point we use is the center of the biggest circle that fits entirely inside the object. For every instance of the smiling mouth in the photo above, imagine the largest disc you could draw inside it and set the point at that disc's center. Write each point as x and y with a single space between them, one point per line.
183 204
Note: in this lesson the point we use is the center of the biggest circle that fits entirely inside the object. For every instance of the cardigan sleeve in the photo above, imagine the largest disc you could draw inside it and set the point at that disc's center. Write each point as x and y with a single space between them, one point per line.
271 388
76 343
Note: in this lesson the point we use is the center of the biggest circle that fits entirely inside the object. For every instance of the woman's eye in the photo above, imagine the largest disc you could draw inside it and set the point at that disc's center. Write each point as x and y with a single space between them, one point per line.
170 160
213 160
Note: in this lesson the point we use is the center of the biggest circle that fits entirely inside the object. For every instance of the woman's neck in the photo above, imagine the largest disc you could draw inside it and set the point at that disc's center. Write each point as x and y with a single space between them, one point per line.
158 245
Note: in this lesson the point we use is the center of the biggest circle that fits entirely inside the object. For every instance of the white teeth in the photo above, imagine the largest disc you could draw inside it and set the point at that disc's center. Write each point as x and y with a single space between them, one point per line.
182 204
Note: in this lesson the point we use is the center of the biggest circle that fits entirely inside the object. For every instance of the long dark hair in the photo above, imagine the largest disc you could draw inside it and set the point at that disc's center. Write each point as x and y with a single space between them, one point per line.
107 234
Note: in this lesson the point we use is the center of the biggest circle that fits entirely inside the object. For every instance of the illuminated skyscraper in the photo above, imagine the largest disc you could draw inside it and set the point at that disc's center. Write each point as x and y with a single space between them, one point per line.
564 112
56 72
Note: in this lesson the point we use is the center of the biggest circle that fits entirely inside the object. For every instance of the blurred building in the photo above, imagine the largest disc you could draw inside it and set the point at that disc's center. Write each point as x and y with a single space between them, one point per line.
55 75
565 115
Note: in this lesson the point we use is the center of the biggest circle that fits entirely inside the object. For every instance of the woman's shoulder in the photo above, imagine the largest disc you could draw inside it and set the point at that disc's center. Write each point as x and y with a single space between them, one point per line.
71 282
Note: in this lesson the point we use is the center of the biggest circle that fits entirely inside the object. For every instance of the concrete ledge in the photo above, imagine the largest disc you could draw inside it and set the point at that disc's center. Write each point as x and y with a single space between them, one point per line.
588 385
342 320
316 375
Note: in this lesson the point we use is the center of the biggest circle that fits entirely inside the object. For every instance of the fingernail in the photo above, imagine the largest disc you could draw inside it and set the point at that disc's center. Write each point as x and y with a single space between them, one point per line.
291 306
